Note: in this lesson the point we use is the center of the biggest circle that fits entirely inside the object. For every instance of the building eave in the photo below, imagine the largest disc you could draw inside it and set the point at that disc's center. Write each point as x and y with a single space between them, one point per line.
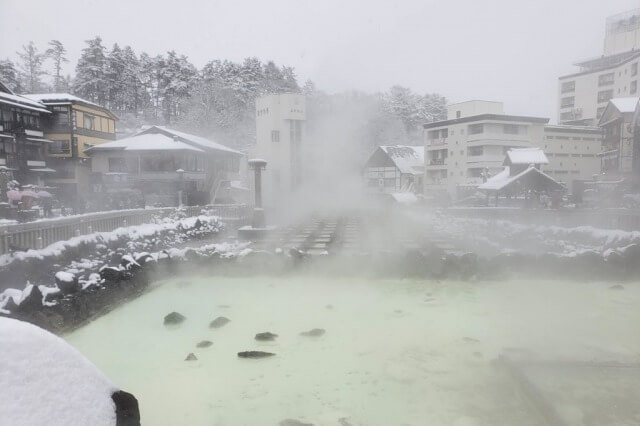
487 117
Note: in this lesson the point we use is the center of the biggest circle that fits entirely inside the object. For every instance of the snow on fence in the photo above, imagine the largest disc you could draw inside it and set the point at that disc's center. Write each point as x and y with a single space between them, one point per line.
39 234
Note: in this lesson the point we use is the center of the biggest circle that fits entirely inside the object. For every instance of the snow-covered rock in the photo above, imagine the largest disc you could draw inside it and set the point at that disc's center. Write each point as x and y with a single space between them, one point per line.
67 282
44 381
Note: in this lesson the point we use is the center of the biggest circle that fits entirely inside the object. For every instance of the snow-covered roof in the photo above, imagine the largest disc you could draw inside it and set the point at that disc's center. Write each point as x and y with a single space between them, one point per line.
145 142
504 178
405 197
408 159
64 99
625 104
526 156
47 381
58 97
23 102
189 138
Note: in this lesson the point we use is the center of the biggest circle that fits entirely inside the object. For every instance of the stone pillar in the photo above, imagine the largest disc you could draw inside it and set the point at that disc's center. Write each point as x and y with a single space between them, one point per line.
258 166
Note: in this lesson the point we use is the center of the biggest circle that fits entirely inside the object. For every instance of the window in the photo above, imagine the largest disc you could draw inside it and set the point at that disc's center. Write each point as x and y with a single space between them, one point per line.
566 116
568 86
158 163
511 129
444 133
60 117
117 164
633 88
474 151
475 129
634 69
433 134
606 79
459 113
605 95
275 136
567 102
59 147
88 121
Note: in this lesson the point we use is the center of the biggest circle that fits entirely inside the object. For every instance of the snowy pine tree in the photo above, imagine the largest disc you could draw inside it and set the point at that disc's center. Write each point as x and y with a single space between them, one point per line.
134 96
91 80
115 69
9 75
56 52
30 69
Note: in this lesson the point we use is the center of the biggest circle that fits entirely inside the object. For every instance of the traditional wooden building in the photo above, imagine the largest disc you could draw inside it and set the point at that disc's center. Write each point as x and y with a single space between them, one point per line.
73 125
22 141
395 168
522 177
617 154
166 167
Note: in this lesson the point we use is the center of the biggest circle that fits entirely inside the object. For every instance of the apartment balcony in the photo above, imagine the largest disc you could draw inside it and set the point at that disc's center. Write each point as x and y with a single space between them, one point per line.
484 158
437 142
437 164
498 139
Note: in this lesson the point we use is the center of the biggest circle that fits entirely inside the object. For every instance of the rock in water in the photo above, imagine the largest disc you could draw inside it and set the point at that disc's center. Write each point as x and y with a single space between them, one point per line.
127 411
617 287
255 354
315 332
219 322
191 357
204 344
266 336
174 318
293 422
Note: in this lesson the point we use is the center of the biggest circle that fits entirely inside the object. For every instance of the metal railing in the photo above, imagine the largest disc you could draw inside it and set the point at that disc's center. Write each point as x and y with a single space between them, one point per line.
39 234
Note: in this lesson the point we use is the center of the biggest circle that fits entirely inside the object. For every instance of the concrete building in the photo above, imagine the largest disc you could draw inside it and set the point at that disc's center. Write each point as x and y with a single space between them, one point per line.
573 152
395 168
73 126
622 33
469 147
280 140
582 96
462 151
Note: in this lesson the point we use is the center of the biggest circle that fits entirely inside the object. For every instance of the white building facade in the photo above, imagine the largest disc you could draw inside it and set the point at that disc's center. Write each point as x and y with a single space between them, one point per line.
572 152
280 140
582 96
465 150
462 151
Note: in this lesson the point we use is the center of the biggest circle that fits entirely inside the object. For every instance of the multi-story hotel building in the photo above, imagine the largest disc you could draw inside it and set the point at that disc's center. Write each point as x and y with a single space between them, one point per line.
470 146
583 95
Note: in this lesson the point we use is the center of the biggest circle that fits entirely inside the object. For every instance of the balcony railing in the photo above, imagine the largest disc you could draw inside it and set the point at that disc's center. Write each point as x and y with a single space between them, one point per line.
436 162
11 125
438 141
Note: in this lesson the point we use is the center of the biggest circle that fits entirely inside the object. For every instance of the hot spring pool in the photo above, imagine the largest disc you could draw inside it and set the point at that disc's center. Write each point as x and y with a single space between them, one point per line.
395 352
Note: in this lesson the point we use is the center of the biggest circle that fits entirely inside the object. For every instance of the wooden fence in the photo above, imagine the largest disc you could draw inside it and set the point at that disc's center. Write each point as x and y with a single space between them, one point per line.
39 234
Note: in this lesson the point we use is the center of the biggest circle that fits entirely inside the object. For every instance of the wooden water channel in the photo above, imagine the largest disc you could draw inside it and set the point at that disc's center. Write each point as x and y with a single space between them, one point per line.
39 234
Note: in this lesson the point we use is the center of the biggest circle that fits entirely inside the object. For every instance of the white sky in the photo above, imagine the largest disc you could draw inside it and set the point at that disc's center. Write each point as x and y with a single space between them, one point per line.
507 50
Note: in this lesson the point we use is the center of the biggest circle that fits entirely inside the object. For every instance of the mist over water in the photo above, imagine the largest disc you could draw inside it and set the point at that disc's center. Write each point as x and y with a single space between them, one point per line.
395 352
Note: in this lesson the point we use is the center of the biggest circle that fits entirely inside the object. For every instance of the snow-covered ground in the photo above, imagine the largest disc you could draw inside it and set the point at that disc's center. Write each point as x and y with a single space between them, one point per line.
499 236
395 352
44 381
